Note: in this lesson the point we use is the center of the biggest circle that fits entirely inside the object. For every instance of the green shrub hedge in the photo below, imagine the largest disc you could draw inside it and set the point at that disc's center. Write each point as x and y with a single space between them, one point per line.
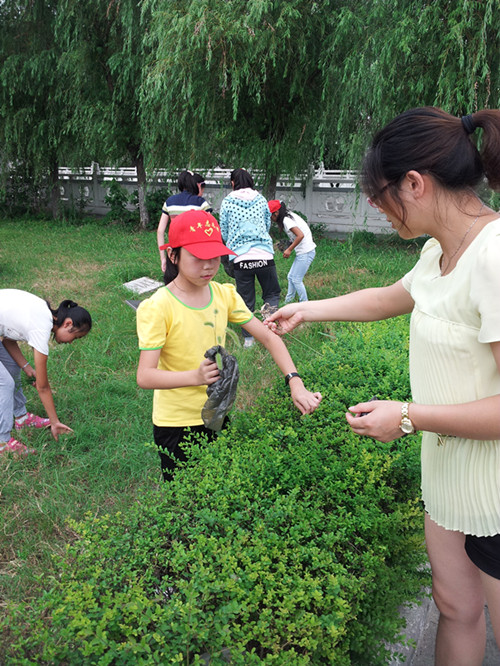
289 540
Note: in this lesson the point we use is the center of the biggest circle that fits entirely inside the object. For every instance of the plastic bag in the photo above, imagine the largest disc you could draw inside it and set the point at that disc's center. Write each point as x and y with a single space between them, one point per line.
283 244
222 393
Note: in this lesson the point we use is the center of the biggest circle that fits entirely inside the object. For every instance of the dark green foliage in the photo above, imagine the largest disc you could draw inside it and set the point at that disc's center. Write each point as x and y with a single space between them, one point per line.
243 82
31 112
155 198
73 211
385 57
318 229
117 199
274 86
288 540
124 207
22 193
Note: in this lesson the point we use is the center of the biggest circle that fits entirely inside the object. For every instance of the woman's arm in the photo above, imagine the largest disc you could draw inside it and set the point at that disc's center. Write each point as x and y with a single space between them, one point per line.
45 393
479 419
149 376
371 304
303 399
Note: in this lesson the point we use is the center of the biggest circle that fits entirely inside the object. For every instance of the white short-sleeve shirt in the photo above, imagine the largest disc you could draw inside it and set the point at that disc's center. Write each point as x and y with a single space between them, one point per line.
306 244
25 317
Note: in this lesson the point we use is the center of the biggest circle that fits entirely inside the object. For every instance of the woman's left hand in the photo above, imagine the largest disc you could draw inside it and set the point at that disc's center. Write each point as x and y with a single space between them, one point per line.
287 253
381 421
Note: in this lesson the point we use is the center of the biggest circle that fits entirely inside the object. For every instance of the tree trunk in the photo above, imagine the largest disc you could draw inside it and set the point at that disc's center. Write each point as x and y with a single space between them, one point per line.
53 202
270 187
141 191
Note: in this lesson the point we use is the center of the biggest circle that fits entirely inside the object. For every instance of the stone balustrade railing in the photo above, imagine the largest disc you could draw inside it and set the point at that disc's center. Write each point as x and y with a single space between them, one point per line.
327 197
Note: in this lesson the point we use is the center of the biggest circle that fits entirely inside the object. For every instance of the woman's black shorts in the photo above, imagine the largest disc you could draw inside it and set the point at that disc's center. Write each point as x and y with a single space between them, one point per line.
484 553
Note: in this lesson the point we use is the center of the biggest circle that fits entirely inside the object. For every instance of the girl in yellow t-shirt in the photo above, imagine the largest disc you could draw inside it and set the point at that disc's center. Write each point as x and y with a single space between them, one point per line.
181 321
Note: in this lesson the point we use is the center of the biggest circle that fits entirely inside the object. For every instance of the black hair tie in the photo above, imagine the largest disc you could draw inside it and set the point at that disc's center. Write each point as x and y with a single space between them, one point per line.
469 124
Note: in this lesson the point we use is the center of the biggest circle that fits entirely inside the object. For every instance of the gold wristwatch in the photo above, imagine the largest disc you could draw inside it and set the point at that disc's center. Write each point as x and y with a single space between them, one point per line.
406 425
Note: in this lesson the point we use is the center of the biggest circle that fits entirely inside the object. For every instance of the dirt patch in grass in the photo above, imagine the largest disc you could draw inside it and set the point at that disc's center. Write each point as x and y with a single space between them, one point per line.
75 282
313 282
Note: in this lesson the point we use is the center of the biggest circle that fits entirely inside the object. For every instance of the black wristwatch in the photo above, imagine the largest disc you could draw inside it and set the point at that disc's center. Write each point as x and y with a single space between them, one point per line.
289 376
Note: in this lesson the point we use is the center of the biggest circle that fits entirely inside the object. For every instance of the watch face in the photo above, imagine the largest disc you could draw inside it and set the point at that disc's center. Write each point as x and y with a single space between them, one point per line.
406 426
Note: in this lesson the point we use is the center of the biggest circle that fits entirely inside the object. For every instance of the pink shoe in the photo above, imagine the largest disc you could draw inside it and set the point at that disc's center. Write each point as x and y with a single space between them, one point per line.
32 421
13 446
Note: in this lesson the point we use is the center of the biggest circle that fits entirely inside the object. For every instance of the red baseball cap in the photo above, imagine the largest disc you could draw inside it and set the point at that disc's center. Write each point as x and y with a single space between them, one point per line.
199 233
274 205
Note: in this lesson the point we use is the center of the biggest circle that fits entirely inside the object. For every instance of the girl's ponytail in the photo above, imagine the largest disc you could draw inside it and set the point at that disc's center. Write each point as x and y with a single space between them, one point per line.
172 268
282 213
187 182
82 321
241 179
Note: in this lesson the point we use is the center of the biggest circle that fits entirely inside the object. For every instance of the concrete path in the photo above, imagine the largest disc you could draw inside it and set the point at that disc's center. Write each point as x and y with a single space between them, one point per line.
421 626
424 654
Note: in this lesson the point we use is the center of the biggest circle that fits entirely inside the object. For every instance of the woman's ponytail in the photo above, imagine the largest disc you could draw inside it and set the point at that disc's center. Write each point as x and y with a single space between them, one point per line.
432 141
489 121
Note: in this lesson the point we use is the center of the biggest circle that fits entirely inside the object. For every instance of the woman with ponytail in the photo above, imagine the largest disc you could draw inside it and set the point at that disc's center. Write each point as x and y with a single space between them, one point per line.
26 317
423 172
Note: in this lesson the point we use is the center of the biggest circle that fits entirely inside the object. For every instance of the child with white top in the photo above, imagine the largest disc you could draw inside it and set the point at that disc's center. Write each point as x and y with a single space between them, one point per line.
181 321
299 233
26 317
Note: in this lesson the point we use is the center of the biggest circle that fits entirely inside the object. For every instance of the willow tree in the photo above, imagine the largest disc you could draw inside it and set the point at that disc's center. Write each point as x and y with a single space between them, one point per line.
31 114
102 65
277 84
236 81
399 54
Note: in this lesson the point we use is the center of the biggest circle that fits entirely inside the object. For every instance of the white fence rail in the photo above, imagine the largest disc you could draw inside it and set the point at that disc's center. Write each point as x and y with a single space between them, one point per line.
327 197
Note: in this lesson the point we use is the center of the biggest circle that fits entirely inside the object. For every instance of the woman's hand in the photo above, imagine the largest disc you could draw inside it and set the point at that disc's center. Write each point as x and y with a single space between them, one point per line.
381 421
59 428
285 319
208 372
287 253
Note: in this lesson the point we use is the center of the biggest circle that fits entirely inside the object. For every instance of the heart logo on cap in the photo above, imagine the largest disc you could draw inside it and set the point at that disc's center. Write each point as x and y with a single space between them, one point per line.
209 231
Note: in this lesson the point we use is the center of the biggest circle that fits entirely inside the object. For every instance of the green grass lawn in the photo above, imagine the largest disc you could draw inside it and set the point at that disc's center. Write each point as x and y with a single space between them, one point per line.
103 466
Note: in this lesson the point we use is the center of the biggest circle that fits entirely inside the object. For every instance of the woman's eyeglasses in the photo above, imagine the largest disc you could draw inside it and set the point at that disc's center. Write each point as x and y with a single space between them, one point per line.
375 197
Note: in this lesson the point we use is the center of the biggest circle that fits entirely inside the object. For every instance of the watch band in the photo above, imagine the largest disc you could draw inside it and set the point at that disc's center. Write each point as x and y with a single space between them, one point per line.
406 425
289 376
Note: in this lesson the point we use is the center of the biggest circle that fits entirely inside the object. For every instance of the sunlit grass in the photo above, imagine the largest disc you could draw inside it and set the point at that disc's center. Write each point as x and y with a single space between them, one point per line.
103 466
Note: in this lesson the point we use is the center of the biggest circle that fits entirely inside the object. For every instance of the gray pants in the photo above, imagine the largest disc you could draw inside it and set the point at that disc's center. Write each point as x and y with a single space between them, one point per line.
12 400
